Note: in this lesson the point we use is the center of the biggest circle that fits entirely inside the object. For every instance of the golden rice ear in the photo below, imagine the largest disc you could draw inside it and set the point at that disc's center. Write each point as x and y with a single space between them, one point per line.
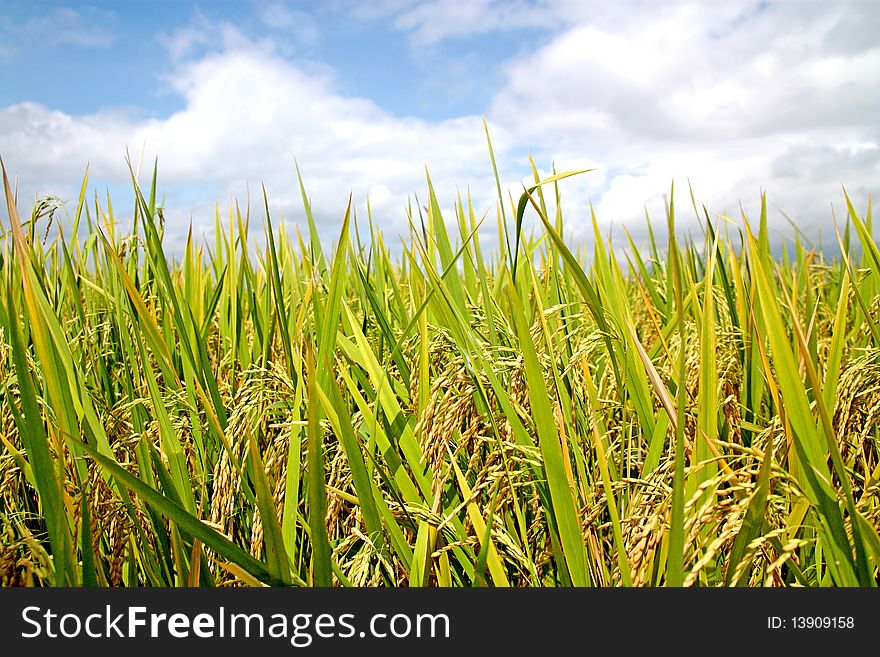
448 409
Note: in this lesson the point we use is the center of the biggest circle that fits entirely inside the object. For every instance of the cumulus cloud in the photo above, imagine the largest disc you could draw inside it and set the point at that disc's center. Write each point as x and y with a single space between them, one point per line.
737 97
248 115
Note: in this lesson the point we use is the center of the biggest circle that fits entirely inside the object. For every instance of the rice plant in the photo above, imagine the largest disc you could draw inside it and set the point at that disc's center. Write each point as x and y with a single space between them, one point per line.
697 412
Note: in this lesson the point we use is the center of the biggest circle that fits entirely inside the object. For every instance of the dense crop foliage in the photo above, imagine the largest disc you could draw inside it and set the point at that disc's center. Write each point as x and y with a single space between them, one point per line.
691 413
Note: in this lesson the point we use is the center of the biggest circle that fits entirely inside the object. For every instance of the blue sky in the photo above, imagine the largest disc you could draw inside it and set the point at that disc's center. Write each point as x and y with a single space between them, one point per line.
737 97
63 47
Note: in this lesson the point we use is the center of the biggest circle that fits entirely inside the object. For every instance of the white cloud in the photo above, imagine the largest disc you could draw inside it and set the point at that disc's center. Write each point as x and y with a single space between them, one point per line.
738 99
63 26
47 145
429 23
282 17
248 115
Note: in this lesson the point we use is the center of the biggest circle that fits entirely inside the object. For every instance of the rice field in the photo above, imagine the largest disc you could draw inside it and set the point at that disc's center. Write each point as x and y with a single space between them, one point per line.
694 411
